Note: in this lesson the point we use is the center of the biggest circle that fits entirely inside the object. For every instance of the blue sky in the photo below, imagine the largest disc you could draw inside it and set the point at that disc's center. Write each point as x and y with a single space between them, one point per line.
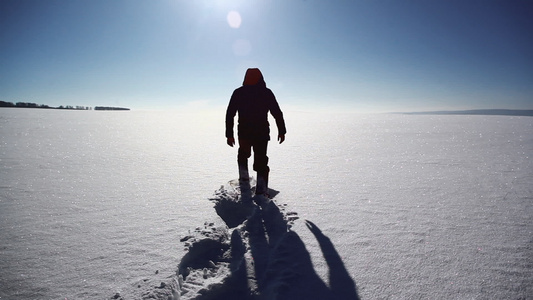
367 56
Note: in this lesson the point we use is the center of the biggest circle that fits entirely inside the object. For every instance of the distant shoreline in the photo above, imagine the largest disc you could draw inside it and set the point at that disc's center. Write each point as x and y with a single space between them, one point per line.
67 107
481 112
110 108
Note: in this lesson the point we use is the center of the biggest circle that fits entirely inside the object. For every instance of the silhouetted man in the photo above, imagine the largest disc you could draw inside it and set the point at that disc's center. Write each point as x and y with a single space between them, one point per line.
253 100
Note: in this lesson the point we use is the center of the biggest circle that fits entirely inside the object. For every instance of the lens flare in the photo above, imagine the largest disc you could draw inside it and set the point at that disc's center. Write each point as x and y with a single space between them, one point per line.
234 19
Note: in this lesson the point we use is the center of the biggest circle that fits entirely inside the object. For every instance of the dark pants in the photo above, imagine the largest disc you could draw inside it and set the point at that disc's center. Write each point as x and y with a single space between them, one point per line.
260 162
260 155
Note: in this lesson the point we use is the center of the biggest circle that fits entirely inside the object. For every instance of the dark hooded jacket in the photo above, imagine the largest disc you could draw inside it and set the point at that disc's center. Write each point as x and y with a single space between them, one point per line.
253 100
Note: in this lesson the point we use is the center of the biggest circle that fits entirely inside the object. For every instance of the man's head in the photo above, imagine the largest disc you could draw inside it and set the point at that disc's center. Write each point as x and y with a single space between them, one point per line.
253 76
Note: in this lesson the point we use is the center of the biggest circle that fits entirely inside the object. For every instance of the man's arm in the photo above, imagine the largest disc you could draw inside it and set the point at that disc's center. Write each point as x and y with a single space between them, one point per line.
230 116
276 112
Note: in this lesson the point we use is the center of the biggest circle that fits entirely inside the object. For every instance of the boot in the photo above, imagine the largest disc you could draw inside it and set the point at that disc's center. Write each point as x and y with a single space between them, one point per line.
243 173
262 184
260 187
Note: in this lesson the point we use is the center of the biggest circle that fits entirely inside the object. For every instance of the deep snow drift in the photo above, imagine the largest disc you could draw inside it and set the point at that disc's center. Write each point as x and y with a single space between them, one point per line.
95 205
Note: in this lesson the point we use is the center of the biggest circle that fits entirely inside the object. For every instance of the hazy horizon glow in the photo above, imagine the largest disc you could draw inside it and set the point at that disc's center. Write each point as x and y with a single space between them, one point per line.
346 55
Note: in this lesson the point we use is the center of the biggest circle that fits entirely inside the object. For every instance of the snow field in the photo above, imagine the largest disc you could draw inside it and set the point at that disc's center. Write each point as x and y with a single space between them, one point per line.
93 205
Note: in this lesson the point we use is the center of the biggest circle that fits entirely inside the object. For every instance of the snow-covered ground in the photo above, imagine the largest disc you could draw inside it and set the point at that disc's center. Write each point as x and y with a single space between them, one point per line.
98 205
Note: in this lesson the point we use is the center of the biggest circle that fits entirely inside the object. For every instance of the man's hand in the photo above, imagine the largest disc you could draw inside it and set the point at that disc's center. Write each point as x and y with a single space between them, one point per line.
231 141
281 138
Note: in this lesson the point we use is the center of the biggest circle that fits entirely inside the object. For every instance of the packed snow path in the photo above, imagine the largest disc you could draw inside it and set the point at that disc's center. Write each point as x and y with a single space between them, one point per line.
254 254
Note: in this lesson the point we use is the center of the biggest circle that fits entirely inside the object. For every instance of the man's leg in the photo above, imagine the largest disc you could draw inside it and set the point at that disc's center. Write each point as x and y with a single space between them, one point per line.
245 151
261 166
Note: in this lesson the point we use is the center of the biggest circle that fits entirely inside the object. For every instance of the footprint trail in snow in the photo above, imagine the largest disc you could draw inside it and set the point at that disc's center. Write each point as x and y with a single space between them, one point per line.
252 254
240 258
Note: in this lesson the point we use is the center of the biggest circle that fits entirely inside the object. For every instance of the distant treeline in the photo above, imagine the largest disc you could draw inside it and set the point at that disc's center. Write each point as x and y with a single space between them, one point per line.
484 112
109 108
35 105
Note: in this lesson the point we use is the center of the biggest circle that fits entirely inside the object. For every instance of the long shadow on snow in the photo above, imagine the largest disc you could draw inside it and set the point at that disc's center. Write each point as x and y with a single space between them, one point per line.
341 284
281 263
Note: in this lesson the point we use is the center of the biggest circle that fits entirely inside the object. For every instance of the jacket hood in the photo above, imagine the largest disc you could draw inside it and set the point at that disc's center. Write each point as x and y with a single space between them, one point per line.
253 76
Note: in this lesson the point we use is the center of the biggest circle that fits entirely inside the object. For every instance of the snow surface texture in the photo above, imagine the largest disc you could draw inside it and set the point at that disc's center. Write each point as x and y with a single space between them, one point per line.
254 255
94 204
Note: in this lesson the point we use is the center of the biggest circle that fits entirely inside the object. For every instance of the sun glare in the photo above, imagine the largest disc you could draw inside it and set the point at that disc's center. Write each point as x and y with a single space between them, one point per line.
234 19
